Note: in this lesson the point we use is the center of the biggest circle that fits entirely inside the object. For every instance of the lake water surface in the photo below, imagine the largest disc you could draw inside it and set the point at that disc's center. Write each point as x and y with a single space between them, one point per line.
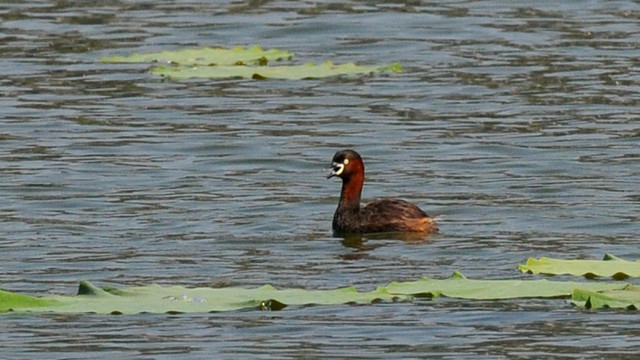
515 122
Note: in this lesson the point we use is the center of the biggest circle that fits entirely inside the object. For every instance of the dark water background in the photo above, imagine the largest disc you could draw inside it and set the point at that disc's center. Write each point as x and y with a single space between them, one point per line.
516 122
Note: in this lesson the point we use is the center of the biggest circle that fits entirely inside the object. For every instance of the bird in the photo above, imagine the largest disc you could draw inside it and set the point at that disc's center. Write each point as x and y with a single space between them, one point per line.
383 215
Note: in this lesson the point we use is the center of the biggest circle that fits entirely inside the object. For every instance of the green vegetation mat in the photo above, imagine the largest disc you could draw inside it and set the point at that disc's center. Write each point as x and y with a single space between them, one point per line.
158 299
287 72
608 266
626 298
249 63
206 56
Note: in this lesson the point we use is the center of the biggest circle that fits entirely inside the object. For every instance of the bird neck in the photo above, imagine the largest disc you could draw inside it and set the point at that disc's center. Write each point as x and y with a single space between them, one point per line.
351 192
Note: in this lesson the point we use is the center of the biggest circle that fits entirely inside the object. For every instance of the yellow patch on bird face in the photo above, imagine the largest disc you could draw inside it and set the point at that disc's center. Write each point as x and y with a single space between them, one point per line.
340 169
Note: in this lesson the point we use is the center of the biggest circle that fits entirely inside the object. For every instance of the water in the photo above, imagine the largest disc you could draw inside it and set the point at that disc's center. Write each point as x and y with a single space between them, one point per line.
515 123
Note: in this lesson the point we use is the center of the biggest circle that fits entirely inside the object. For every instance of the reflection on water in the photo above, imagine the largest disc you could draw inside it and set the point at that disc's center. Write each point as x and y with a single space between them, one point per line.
358 241
515 123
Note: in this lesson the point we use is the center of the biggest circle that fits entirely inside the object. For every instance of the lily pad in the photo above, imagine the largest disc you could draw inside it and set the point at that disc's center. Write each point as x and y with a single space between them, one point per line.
158 299
206 56
458 286
626 298
250 63
609 266
291 72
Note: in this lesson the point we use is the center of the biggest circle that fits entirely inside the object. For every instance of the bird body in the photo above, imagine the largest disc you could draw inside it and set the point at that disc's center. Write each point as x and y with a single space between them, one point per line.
384 215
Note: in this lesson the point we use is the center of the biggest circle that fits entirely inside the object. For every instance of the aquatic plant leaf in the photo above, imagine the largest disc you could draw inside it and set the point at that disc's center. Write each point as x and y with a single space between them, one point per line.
250 63
158 299
625 298
609 266
288 72
9 300
458 286
206 56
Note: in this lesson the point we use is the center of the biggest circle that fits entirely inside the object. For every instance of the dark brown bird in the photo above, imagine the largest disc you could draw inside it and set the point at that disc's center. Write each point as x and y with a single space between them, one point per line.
385 215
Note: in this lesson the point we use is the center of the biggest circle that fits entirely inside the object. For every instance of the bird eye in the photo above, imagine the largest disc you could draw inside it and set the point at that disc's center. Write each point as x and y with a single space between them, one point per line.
346 161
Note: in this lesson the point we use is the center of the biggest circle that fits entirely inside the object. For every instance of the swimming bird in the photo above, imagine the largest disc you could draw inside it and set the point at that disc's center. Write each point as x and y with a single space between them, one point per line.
384 215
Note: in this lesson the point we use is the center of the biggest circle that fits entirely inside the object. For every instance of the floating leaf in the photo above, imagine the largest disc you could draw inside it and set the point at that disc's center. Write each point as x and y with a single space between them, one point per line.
206 56
609 266
458 286
9 300
250 63
625 298
158 299
292 72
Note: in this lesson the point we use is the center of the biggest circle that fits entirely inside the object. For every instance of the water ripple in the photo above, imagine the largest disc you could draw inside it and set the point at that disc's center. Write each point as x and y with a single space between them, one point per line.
513 123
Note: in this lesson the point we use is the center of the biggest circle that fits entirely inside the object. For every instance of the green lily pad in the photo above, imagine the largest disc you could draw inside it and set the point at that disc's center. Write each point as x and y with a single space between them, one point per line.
289 72
626 298
458 286
9 300
250 63
609 266
158 299
206 56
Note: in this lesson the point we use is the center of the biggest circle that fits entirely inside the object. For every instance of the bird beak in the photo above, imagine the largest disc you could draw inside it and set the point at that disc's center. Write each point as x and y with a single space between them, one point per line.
336 170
